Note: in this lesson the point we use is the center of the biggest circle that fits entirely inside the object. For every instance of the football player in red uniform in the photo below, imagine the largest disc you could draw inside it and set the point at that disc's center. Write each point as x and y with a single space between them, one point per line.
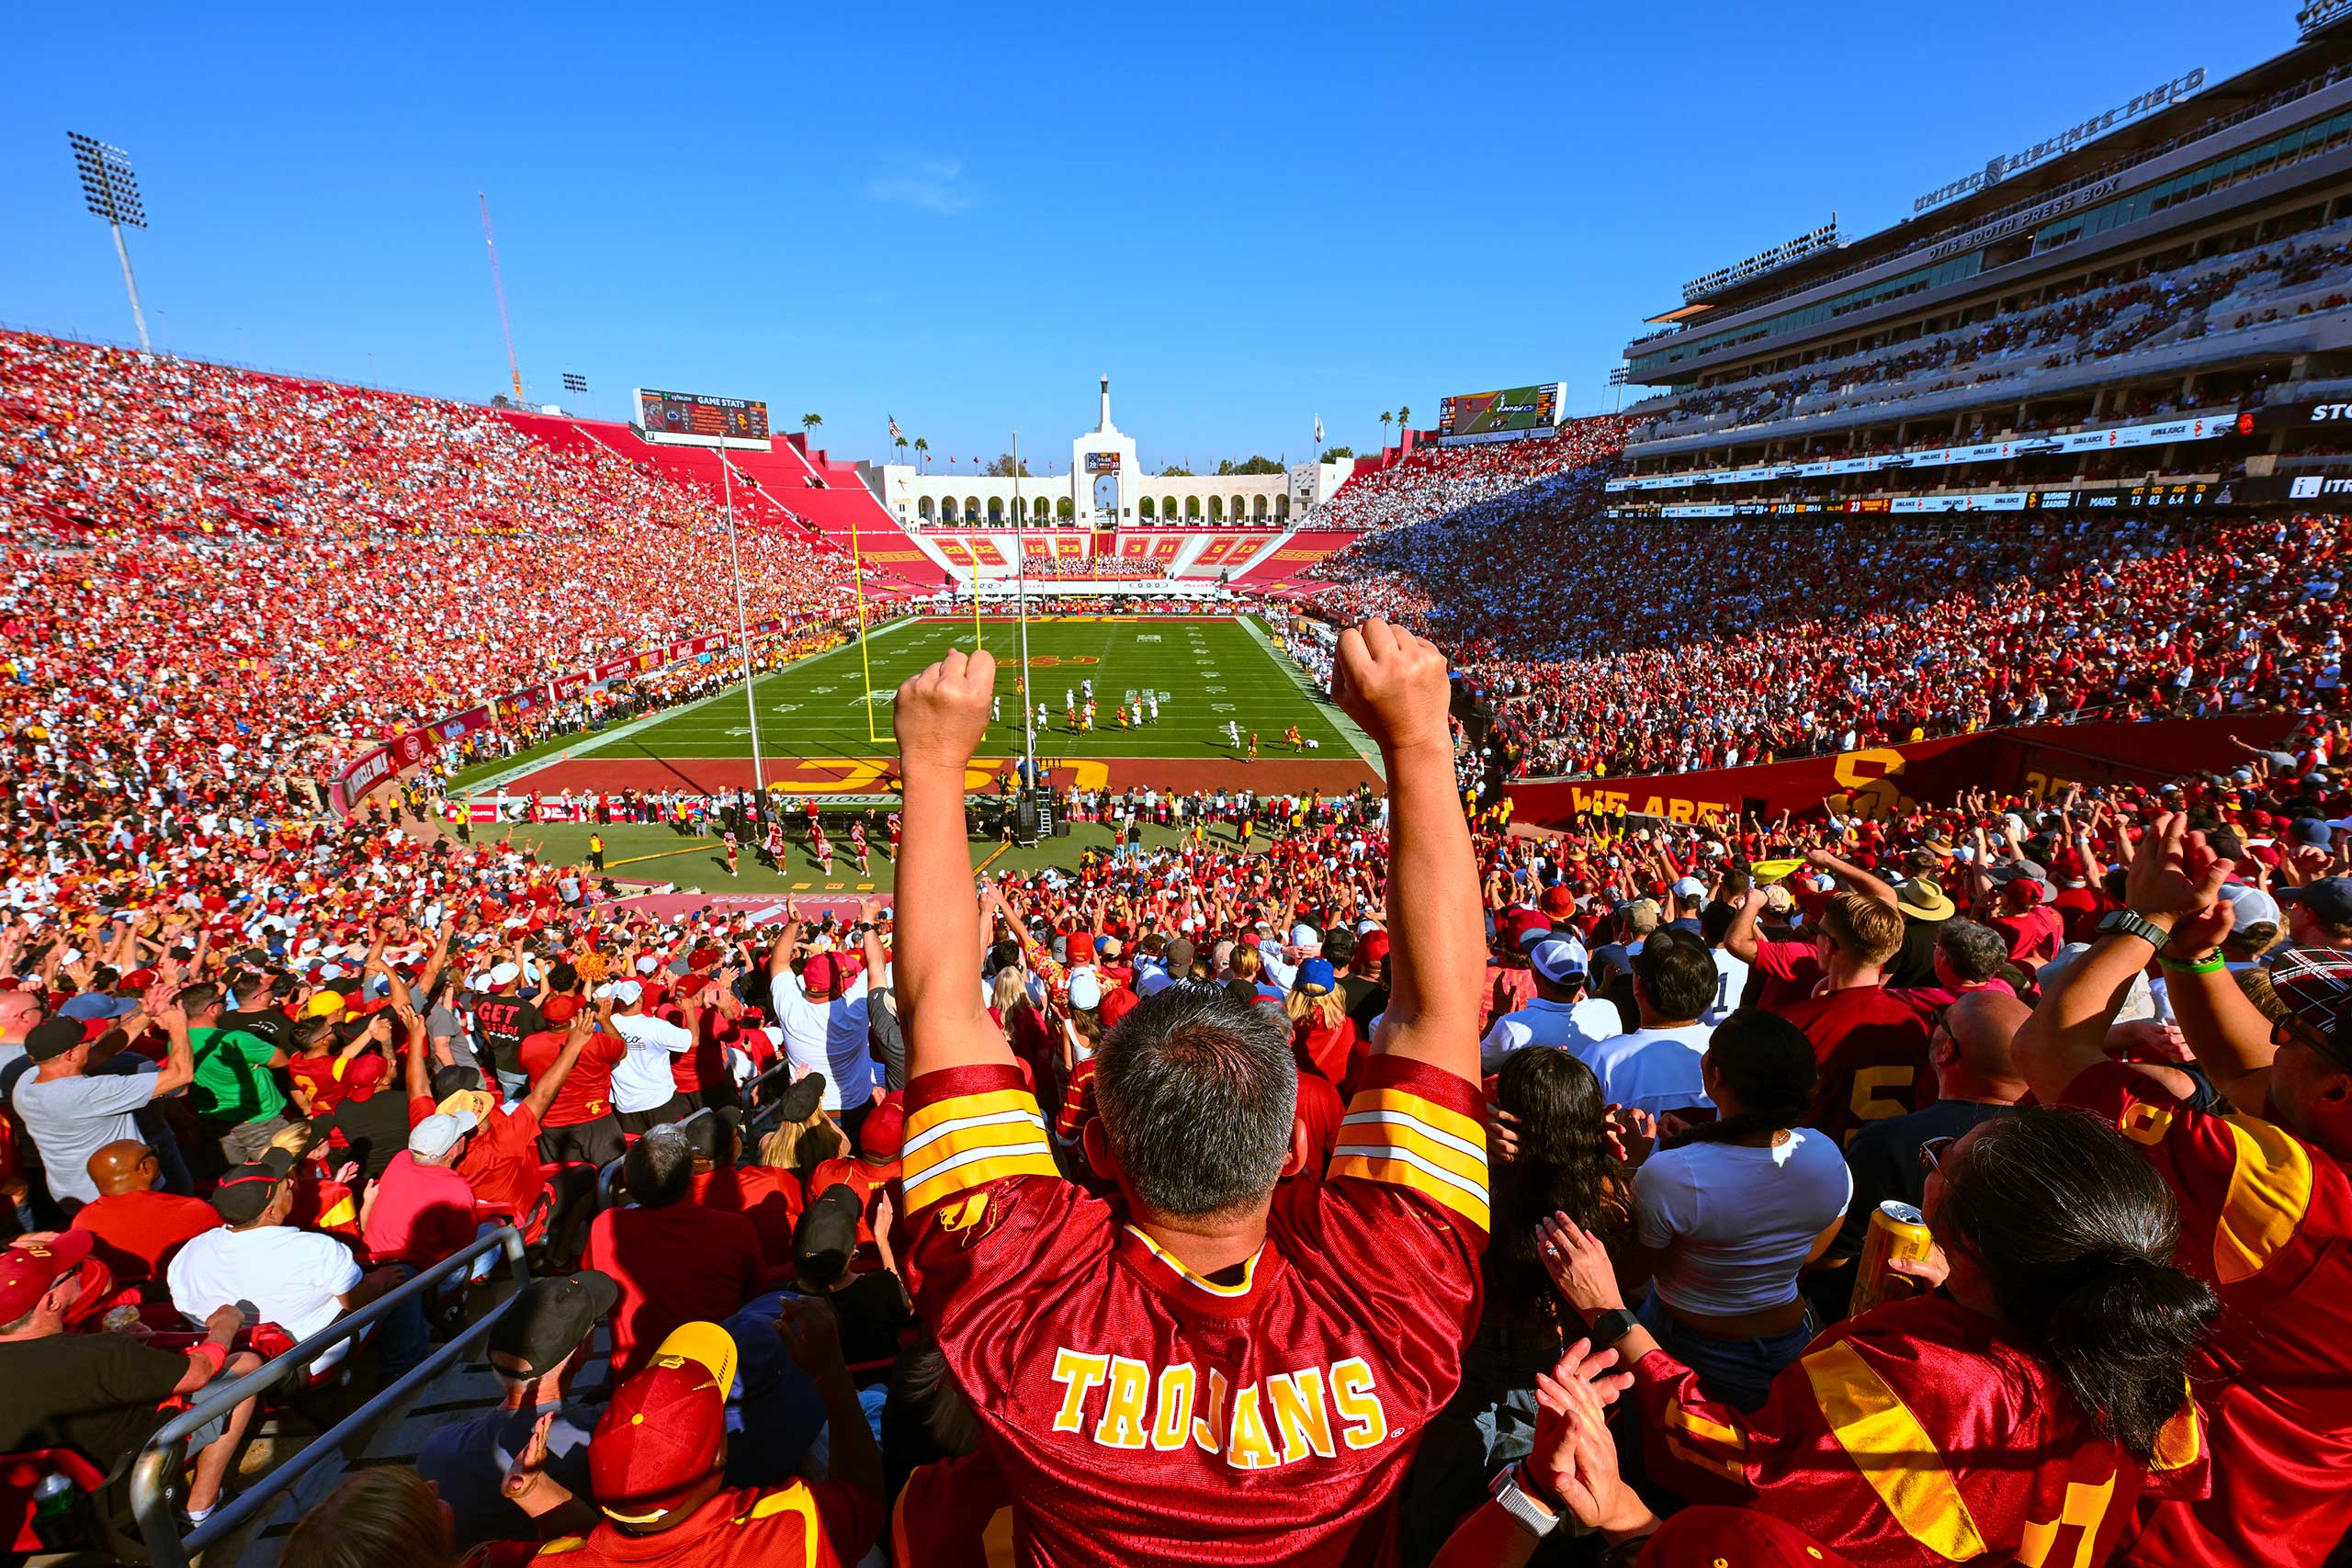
2265 1208
1205 1369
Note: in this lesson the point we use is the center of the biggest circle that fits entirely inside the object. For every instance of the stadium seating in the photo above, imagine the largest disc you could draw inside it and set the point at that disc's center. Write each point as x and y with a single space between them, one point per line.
289 517
2207 298
1427 480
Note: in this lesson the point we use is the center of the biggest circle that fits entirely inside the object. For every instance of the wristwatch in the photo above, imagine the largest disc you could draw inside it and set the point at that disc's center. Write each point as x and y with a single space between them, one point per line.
2130 922
1529 1512
1611 1326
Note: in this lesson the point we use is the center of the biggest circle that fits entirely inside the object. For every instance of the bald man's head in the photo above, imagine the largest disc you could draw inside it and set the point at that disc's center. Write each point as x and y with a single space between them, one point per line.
19 1010
1983 1027
124 1166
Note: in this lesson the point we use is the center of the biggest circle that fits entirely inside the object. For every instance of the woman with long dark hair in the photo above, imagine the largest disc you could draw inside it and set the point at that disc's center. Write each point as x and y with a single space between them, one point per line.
1552 1154
2038 1393
1729 1212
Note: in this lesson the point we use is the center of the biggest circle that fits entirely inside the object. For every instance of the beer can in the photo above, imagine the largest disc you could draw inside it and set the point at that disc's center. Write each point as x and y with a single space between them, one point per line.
1898 1232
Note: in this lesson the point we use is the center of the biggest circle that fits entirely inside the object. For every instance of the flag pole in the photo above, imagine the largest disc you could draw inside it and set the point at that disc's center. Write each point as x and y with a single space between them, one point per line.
1020 553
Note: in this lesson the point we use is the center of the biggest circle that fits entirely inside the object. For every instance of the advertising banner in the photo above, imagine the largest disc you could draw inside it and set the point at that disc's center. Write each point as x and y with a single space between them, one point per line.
1881 781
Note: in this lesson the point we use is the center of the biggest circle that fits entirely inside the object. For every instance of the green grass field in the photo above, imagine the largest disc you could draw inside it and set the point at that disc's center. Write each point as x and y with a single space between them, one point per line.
1207 672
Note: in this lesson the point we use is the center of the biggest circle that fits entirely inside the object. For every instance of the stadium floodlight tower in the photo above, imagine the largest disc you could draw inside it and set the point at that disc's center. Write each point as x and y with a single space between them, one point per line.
112 191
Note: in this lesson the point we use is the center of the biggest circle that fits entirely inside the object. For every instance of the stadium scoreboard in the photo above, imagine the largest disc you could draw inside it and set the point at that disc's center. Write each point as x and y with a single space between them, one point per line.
1512 414
1103 462
692 418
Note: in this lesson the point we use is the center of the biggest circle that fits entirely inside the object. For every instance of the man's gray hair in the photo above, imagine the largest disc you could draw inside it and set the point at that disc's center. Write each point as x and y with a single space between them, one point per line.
1198 1094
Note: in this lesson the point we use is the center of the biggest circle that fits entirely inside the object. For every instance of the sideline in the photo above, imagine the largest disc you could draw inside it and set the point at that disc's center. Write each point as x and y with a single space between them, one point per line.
1349 730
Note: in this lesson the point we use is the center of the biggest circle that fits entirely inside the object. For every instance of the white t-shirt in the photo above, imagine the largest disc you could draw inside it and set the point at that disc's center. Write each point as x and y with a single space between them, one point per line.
1737 1223
1655 1070
1730 980
1575 1027
293 1278
642 1079
828 1037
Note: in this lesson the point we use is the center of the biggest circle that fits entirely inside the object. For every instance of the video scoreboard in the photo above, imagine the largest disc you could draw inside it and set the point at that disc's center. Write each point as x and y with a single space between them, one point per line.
1509 415
692 419
1103 462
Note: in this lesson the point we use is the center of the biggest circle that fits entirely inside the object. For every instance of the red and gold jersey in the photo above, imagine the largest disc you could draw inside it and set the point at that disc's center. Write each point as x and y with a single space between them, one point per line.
1915 1436
806 1524
1138 1411
955 1514
2265 1220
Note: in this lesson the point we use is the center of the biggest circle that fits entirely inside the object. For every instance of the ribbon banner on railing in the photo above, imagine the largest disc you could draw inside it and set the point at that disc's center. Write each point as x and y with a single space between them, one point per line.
1873 782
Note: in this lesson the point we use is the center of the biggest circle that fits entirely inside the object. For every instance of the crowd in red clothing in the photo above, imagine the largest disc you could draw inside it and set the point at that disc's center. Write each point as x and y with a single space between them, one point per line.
1854 991
231 576
1636 647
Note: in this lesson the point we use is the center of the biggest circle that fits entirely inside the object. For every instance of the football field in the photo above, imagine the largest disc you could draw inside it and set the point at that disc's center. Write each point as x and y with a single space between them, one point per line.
824 723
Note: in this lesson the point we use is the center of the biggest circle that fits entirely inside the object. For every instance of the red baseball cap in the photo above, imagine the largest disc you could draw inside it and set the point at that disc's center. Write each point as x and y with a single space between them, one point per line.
558 1008
1513 927
882 1134
665 1431
1370 948
1558 901
1712 1537
28 1268
1117 1002
821 975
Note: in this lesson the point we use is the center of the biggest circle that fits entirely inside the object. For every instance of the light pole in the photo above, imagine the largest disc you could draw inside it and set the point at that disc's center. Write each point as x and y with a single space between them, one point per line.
743 634
112 191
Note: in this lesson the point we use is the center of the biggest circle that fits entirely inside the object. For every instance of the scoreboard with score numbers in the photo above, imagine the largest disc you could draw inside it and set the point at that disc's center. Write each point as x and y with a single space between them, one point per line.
694 419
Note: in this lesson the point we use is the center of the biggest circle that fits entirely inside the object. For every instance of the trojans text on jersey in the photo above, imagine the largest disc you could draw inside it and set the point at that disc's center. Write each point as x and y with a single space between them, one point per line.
1122 1403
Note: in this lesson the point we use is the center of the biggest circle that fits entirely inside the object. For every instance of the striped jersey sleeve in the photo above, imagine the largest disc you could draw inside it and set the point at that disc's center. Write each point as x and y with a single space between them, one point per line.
967 1127
1415 1127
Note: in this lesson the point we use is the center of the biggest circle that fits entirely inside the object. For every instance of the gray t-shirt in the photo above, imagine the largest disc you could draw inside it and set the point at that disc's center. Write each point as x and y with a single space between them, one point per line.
72 1118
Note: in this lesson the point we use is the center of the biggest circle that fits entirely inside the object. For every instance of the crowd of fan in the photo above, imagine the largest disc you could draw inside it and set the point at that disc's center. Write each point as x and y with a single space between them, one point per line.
1635 647
1254 1112
1431 480
232 574
2210 295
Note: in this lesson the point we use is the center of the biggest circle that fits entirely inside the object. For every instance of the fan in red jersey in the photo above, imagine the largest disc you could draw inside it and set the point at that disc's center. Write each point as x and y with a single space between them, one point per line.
1200 1369
2018 1416
2265 1208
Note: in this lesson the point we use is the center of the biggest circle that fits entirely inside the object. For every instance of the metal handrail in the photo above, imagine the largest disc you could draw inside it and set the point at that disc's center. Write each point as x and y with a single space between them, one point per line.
155 1473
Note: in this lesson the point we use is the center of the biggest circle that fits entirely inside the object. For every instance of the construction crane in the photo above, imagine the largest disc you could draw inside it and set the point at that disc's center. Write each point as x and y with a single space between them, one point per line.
499 285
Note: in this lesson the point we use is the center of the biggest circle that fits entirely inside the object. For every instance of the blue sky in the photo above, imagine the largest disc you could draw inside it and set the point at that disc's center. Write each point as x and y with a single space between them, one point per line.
1249 216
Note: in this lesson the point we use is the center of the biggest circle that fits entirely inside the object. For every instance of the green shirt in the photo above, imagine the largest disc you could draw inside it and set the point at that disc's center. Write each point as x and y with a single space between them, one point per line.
233 1082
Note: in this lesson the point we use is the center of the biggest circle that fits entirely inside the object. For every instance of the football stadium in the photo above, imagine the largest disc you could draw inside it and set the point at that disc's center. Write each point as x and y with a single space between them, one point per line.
1725 939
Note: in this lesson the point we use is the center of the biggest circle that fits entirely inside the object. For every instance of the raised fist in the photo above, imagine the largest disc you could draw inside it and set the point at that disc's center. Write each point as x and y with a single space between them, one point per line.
1394 684
942 714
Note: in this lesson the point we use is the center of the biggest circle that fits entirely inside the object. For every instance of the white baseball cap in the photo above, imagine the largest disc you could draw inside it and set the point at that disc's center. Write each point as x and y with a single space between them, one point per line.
1558 959
627 992
439 1133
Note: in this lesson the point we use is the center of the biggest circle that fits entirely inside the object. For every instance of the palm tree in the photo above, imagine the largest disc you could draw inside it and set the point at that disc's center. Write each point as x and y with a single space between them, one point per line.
900 442
1386 419
923 451
810 421
1403 416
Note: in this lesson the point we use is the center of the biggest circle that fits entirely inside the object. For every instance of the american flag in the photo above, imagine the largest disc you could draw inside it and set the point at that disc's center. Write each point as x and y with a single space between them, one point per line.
894 430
